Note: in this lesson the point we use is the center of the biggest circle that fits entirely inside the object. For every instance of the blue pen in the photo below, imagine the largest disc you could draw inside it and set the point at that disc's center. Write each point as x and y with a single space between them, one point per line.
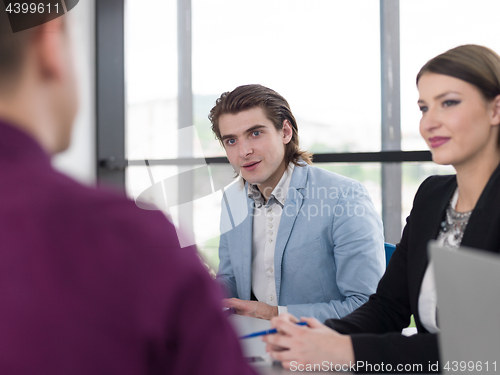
267 332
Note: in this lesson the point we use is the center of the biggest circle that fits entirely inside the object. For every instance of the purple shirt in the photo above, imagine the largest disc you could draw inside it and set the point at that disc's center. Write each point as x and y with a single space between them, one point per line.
91 284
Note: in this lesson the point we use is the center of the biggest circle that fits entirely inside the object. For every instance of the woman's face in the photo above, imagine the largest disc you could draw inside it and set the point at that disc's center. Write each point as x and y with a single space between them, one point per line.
457 123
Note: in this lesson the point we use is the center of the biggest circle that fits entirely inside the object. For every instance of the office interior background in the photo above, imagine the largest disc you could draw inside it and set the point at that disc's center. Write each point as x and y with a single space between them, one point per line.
150 71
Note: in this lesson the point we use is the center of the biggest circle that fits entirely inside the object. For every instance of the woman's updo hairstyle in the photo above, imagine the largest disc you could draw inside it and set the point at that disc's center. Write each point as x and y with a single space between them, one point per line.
477 65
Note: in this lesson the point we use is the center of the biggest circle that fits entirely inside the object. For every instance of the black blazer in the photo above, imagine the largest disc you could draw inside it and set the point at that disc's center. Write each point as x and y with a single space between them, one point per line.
375 327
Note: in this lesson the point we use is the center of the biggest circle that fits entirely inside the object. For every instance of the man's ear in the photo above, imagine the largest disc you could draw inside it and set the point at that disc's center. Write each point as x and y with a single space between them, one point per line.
495 108
49 43
287 132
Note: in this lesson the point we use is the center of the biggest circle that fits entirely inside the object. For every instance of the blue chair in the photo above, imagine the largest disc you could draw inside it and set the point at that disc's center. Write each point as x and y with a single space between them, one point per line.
389 249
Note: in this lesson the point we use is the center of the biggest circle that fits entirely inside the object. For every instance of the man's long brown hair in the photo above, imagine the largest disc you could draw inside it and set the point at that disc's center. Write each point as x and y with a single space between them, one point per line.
275 107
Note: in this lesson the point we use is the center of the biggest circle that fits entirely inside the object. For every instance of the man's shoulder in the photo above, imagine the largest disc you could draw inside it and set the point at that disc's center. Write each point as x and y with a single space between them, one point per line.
234 206
104 196
101 209
322 177
236 190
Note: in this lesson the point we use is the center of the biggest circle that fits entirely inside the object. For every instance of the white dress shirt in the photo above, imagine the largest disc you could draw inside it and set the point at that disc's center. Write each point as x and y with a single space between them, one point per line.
266 221
427 300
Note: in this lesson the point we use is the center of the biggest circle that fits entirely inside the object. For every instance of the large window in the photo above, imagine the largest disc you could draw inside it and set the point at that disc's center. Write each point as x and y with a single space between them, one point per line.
333 62
298 48
150 80
431 27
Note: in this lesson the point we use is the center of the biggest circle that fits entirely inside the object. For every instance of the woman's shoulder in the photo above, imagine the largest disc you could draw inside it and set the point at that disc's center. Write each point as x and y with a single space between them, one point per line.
436 186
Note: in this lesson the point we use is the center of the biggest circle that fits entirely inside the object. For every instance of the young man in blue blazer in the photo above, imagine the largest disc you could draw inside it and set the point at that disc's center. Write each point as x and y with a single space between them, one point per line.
295 238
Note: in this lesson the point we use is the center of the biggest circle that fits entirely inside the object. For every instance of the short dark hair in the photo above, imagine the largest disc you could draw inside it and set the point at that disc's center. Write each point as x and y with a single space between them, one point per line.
12 52
275 107
13 46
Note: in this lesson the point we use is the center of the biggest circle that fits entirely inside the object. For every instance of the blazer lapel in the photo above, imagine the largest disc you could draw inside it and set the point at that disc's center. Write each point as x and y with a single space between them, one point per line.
483 220
244 239
238 226
429 219
293 204
434 215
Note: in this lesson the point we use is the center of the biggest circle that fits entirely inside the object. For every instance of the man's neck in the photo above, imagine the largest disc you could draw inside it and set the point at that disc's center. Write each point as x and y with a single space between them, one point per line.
267 188
30 118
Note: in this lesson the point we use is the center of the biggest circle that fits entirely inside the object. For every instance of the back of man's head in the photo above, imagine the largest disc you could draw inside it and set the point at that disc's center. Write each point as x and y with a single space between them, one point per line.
12 48
17 28
37 82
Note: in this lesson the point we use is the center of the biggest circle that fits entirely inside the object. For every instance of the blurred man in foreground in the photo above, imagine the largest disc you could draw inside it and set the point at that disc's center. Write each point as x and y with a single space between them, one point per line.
89 283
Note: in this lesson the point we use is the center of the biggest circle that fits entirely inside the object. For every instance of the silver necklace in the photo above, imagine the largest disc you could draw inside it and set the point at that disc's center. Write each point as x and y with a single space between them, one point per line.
454 224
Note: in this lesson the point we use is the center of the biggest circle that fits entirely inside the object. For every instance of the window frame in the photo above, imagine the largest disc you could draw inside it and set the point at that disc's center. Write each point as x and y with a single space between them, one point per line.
110 102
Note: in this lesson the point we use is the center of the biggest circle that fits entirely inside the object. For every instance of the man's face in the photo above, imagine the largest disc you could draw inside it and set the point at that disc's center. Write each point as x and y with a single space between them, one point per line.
254 147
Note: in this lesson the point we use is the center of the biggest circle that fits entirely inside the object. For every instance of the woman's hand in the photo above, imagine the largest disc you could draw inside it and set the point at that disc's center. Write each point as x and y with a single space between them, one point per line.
295 345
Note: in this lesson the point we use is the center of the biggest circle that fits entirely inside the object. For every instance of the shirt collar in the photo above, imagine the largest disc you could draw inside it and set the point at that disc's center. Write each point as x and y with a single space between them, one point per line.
279 193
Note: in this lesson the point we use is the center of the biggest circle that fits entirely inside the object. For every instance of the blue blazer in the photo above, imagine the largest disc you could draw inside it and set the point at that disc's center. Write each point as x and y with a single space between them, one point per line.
329 253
